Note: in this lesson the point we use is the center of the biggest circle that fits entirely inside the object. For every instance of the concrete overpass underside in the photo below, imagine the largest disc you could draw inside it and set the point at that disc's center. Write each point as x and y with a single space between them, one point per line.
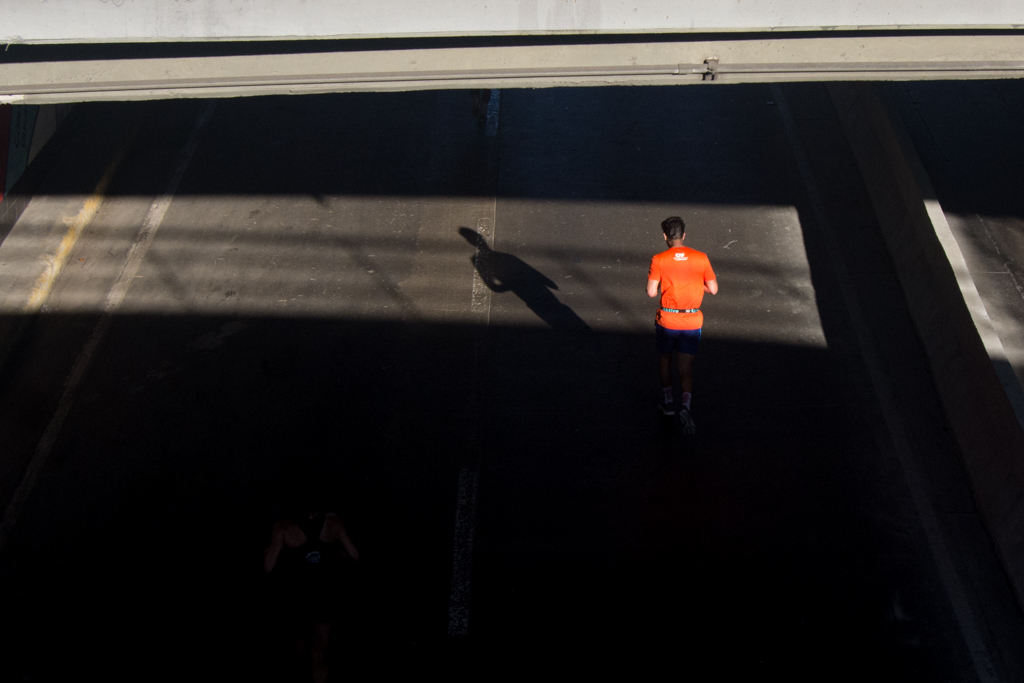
49 74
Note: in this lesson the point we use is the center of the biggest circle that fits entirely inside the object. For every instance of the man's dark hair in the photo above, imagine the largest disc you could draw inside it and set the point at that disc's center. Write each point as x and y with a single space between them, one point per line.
673 227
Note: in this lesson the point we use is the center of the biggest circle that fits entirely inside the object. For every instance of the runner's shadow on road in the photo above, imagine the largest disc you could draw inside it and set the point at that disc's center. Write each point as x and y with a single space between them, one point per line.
503 272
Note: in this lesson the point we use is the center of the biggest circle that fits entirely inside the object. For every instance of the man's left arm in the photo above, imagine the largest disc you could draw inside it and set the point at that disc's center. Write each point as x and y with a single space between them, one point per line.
652 288
710 281
339 533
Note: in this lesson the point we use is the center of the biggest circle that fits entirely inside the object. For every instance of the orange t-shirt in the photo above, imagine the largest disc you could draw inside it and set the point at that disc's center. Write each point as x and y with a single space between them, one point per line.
682 272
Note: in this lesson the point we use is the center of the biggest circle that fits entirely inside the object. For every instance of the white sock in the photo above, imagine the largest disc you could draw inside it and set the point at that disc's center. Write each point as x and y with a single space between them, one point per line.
686 399
667 393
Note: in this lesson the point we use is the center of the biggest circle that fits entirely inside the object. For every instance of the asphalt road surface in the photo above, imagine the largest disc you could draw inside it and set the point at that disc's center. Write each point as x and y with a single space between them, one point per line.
443 322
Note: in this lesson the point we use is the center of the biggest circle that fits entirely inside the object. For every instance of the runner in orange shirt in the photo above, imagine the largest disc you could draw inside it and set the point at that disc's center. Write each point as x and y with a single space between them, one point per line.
684 275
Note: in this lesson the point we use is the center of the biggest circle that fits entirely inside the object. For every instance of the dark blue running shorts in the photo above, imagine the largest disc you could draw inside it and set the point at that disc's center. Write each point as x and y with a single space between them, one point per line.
683 341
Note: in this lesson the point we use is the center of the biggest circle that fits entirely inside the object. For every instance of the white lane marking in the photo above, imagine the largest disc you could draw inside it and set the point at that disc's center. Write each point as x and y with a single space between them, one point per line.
976 306
462 562
493 108
730 243
886 398
155 215
481 301
465 508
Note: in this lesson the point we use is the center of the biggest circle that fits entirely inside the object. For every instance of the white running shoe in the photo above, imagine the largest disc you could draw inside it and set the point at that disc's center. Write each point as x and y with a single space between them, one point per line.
687 422
666 408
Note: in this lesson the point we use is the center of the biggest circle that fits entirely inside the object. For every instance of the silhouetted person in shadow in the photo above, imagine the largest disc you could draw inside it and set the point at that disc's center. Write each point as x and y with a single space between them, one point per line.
312 556
503 272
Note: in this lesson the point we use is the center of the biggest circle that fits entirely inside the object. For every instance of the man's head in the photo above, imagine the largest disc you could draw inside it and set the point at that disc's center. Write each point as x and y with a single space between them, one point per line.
674 228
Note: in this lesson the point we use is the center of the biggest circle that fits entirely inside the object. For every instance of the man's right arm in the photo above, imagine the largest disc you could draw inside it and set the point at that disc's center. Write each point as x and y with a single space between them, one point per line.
285 534
273 551
338 532
653 278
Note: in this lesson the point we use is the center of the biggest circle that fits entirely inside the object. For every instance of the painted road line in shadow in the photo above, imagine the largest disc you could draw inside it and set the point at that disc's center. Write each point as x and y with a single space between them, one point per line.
493 109
465 510
462 560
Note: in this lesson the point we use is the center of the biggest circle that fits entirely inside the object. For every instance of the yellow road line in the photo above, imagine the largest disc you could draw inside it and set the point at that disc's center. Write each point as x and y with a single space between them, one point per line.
157 211
76 226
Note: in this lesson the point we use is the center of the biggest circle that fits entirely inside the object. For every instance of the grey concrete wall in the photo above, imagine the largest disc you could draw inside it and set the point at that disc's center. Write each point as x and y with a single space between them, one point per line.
947 316
141 20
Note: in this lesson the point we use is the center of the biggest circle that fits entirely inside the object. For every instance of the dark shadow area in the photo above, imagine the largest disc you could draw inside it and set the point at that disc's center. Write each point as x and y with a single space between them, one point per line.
968 136
503 272
379 144
597 526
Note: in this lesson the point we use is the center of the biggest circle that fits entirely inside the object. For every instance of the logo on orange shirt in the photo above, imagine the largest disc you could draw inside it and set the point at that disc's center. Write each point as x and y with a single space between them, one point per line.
680 256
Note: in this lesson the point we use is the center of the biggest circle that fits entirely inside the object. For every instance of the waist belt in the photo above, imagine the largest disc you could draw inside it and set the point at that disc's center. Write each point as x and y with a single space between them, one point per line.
680 310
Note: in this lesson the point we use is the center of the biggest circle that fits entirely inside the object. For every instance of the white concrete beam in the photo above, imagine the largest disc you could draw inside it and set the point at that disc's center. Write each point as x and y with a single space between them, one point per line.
77 21
915 57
